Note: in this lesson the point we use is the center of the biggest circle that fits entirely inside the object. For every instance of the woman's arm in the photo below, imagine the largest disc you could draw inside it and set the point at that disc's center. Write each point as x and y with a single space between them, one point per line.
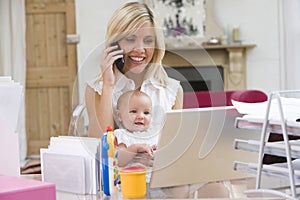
127 154
100 107
179 99
93 128
100 110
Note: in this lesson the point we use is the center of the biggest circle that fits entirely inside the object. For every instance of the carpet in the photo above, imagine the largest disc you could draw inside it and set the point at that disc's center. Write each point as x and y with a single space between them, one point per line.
32 166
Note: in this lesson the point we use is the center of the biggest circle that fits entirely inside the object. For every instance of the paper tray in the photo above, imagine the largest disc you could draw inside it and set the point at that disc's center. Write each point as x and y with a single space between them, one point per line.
277 170
252 123
273 148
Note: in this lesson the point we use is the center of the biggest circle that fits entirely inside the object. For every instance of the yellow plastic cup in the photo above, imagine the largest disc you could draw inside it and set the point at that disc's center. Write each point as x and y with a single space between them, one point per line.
133 181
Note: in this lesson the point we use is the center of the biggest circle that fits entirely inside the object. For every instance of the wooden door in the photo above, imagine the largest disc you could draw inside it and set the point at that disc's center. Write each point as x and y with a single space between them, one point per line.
51 70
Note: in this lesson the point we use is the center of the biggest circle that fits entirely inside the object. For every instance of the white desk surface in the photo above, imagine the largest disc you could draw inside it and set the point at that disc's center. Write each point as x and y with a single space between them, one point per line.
233 189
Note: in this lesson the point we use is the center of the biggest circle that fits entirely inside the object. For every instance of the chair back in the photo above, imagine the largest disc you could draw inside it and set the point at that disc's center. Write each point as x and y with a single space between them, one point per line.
78 125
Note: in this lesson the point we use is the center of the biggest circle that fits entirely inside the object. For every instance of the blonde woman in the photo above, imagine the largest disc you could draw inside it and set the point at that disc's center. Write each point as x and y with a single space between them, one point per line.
134 36
141 47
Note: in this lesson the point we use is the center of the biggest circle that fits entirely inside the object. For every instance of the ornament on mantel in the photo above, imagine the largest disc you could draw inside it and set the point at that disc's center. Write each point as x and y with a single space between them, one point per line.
185 17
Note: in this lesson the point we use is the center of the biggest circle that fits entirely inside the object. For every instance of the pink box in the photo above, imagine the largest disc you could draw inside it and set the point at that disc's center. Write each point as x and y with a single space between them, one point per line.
12 188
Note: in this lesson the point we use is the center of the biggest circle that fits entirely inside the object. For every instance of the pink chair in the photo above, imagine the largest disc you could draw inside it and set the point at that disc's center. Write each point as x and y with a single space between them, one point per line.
221 98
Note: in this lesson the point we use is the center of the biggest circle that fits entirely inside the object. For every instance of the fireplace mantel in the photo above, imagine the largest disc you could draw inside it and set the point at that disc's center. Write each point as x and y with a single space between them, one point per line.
232 57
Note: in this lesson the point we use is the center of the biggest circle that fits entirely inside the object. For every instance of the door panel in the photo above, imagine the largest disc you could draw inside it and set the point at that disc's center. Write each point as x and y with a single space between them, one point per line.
51 70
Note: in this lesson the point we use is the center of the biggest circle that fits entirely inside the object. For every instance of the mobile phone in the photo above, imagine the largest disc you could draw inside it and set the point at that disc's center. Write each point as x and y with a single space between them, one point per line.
119 62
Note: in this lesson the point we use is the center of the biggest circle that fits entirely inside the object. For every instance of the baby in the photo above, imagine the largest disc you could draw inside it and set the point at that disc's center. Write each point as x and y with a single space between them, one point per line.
134 114
135 137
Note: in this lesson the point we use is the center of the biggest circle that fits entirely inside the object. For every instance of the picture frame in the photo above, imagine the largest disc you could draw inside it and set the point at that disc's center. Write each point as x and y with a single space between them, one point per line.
186 23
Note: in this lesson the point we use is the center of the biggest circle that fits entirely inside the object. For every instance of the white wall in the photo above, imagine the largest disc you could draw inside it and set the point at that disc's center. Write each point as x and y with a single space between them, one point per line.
259 23
91 21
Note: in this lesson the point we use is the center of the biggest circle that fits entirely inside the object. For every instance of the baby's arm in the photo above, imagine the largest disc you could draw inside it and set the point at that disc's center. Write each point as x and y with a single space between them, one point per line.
126 154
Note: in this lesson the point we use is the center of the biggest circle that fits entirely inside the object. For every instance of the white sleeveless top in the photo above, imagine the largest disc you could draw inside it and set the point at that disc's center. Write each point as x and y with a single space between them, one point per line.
130 138
163 98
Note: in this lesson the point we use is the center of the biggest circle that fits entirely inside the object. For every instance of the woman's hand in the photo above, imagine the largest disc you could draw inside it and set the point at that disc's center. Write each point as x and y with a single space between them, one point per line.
109 56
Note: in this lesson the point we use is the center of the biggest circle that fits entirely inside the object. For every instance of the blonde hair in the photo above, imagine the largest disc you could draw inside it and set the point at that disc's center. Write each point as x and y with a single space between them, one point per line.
126 20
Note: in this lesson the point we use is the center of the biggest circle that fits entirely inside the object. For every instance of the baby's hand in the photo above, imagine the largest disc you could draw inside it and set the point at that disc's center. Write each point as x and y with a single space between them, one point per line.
145 148
154 147
144 154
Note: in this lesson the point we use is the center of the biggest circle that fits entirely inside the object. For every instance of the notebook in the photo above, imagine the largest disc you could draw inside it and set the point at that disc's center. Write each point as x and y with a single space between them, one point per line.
196 145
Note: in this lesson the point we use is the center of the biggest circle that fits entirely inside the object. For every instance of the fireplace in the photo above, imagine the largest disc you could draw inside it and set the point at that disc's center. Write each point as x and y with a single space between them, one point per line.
198 78
231 57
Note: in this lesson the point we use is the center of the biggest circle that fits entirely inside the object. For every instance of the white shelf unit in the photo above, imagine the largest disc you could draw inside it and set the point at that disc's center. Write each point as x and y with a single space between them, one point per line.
286 148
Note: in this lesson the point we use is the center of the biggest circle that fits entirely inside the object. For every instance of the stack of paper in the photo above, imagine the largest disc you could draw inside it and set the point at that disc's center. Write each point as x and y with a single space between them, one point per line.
10 102
290 107
72 163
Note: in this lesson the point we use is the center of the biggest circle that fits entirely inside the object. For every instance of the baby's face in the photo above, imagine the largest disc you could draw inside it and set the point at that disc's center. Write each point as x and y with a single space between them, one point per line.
136 114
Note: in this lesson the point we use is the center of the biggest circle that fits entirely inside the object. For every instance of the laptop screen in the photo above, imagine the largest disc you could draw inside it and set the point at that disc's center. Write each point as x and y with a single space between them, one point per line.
196 145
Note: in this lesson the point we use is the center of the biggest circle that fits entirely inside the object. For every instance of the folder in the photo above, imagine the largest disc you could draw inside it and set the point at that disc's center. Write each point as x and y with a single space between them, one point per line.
12 188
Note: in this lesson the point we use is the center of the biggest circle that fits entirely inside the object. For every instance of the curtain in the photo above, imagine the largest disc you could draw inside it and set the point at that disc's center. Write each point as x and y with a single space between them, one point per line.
12 55
291 29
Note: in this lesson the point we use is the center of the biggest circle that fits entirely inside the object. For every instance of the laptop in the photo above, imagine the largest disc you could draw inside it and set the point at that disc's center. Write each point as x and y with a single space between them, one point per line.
197 145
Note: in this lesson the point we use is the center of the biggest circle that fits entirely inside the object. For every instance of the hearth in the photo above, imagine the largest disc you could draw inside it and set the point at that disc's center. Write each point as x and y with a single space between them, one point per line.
198 78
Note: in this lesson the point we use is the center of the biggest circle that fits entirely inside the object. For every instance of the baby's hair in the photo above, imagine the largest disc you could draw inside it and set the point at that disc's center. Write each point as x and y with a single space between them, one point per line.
128 95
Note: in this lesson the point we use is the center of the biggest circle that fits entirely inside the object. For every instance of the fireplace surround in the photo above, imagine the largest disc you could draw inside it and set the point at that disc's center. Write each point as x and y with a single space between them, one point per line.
232 57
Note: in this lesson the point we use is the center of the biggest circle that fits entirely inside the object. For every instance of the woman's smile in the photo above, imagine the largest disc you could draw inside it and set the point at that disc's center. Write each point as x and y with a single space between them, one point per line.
137 59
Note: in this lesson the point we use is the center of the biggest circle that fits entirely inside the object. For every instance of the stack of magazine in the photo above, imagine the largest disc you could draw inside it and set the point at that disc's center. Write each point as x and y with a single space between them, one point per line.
72 163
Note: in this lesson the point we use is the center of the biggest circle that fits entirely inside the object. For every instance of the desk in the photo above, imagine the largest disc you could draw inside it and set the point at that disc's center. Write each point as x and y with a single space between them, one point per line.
232 189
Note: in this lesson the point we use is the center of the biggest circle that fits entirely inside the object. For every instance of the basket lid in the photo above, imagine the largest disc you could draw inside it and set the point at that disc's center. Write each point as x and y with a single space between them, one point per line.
136 168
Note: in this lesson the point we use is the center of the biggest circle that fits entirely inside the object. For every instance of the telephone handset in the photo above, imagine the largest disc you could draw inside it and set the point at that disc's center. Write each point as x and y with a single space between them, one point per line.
119 62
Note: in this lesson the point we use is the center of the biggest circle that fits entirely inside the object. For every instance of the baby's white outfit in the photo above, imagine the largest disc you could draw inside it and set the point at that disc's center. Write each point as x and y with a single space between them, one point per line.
130 138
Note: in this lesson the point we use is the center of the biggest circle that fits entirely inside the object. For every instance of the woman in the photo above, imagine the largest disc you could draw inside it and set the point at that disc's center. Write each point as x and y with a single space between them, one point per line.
135 29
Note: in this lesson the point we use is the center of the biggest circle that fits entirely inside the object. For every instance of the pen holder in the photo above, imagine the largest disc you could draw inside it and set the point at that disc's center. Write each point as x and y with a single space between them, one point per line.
133 181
